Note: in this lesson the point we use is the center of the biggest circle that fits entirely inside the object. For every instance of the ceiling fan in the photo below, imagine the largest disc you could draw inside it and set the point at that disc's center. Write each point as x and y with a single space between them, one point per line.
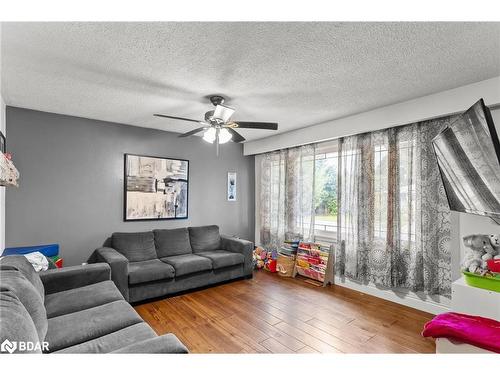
218 126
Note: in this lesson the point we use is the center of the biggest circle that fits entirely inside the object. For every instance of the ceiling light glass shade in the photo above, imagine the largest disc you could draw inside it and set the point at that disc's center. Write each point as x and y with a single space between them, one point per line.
209 135
222 112
224 136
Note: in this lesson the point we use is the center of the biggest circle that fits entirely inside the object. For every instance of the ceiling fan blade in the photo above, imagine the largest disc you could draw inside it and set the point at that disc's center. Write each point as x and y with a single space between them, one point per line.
255 125
237 137
177 118
192 132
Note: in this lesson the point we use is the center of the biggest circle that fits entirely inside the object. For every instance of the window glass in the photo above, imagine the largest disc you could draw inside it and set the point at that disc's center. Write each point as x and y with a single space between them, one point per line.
325 191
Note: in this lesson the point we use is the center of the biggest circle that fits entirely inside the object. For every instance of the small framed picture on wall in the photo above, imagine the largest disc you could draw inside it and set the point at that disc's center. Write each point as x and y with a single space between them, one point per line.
231 186
3 145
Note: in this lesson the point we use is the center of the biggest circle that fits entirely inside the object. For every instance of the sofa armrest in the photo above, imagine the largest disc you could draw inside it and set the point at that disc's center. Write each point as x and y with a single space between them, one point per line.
119 267
168 343
60 279
244 247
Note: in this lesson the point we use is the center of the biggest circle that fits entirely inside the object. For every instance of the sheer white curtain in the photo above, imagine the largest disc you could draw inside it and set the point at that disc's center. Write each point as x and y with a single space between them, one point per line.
394 221
286 195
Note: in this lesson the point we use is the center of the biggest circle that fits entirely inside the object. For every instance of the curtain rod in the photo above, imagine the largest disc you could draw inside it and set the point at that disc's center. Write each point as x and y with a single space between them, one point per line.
491 107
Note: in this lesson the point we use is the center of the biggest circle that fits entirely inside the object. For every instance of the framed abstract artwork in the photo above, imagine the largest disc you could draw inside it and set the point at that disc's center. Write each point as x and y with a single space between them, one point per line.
156 188
231 186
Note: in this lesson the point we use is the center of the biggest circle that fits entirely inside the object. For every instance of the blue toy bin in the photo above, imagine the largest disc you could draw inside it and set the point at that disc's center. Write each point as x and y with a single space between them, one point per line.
47 250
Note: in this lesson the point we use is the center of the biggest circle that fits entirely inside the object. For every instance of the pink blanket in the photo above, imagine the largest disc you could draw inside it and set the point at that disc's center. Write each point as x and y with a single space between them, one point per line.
474 330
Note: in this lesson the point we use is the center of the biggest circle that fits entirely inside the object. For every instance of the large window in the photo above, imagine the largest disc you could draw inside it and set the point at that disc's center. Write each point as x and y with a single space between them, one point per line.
325 188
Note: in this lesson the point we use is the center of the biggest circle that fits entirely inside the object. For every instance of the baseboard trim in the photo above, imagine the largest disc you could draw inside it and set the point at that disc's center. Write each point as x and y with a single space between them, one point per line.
405 298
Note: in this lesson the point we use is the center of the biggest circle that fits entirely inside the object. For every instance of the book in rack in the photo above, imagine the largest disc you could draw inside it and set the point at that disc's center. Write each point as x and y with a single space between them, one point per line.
315 262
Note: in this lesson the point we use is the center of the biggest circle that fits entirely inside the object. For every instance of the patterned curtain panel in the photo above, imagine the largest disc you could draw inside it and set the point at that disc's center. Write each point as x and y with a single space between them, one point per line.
394 220
286 195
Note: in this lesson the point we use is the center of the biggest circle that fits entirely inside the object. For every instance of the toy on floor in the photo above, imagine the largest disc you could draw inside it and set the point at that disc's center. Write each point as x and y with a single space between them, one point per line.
265 259
258 257
271 261
480 249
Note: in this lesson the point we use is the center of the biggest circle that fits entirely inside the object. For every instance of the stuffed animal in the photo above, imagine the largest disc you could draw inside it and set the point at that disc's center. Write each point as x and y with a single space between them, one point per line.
258 260
494 252
490 251
477 246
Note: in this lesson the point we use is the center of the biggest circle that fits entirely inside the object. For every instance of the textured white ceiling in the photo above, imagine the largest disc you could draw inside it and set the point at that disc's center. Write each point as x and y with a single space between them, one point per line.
297 74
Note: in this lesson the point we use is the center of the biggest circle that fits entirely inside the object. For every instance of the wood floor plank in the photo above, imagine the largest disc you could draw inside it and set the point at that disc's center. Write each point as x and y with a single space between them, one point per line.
247 338
276 347
351 334
220 339
381 344
306 338
256 322
246 329
286 315
245 308
307 350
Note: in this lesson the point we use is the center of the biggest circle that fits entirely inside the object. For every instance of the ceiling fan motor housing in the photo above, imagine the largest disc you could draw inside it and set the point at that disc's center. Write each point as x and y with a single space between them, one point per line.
217 100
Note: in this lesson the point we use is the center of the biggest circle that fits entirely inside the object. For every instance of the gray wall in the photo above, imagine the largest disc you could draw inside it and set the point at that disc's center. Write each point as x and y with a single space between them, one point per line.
71 185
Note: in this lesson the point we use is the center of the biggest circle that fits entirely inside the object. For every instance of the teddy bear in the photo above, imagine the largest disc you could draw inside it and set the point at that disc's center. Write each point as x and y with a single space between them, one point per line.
478 245
492 252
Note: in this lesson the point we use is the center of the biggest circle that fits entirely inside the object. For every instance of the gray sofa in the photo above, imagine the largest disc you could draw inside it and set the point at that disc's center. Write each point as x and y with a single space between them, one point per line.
152 264
74 310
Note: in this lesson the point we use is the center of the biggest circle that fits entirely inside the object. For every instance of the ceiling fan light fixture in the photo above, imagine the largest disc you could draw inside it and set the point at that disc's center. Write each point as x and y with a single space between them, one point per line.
224 136
223 113
209 135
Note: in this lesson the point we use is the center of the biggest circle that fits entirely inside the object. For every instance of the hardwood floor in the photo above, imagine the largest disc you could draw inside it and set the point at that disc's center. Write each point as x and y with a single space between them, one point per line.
270 314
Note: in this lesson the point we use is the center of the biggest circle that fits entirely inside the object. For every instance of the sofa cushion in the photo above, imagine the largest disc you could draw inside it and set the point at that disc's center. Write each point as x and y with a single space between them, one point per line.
81 326
113 341
16 322
14 281
77 299
204 238
188 263
223 258
149 270
20 263
171 242
135 247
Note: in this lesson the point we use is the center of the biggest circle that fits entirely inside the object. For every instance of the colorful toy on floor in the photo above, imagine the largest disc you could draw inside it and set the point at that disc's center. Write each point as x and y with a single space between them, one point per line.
265 259
258 257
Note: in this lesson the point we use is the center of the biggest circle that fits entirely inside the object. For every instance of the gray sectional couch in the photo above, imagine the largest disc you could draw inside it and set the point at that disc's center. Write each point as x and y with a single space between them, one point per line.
153 264
74 309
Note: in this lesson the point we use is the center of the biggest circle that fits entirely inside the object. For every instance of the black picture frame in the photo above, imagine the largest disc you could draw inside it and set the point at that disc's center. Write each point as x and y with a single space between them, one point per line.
3 143
125 189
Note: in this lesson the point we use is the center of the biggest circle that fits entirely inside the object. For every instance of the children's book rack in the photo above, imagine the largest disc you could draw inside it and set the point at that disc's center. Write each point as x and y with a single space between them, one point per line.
315 261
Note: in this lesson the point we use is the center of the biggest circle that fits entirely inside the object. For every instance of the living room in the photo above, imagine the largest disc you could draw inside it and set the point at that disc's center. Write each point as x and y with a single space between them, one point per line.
270 187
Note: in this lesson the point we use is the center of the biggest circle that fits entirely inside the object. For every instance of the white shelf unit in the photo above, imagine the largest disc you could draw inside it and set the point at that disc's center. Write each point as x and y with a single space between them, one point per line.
470 300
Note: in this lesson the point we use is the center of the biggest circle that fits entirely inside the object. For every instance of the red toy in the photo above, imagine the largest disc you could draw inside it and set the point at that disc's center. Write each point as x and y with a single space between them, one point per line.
493 265
270 265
